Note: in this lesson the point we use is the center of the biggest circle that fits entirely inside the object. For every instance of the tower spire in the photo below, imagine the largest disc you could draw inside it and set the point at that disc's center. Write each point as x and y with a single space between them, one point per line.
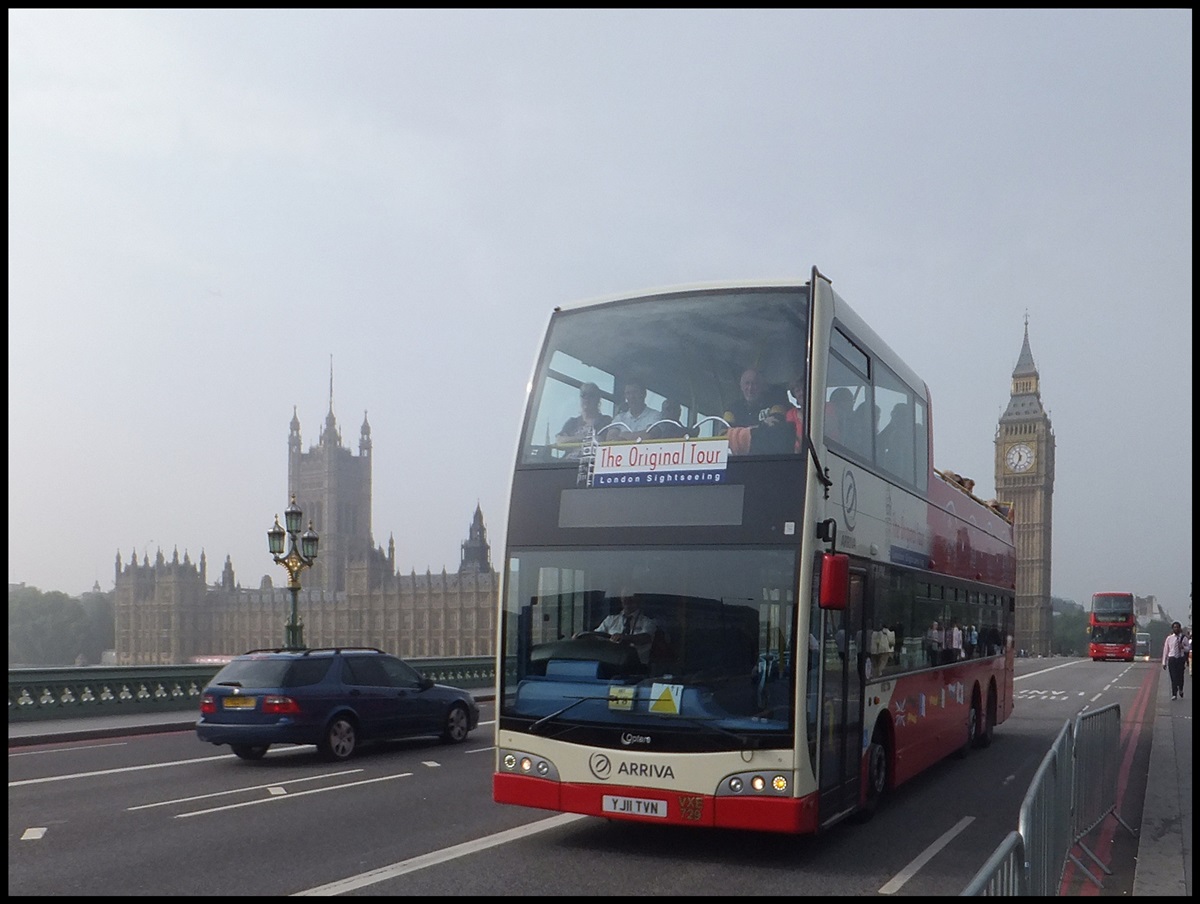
331 384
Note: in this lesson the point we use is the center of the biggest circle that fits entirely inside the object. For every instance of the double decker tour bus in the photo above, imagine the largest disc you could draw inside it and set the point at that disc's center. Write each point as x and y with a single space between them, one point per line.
1111 627
828 613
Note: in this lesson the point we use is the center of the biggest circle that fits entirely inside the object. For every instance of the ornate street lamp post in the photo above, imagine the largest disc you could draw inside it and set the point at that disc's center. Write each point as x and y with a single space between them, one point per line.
301 554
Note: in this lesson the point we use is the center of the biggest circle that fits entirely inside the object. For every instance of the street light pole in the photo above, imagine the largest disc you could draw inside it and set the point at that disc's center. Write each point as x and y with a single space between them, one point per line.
302 552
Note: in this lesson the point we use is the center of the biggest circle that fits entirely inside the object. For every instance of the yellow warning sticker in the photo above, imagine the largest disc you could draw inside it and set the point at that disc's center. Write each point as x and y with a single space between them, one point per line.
665 698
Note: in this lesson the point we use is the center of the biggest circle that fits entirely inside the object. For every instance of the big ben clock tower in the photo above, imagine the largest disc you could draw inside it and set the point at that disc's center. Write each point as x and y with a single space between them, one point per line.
1025 478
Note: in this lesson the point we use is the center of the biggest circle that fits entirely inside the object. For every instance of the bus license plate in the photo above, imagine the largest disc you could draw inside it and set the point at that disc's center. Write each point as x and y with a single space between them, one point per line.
239 703
635 806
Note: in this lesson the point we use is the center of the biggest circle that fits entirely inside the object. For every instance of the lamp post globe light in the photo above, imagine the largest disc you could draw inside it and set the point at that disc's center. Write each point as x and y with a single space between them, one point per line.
302 552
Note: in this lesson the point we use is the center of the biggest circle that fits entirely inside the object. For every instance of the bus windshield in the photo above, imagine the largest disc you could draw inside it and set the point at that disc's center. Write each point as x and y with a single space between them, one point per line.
715 660
1112 606
689 361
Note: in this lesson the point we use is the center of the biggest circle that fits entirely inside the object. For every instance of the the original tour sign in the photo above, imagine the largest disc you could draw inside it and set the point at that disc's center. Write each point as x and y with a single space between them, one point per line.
684 461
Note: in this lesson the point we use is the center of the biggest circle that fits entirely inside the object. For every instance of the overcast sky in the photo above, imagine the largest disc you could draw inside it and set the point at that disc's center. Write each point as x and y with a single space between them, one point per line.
204 207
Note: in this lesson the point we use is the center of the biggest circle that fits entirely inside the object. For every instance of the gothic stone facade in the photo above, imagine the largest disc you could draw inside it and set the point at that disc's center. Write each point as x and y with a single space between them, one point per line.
167 612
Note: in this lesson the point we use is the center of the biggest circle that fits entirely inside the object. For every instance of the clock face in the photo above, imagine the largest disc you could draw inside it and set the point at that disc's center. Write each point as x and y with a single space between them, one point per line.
1019 457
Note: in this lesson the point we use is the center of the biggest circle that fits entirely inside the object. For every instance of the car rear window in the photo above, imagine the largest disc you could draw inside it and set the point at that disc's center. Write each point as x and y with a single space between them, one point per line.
273 672
307 671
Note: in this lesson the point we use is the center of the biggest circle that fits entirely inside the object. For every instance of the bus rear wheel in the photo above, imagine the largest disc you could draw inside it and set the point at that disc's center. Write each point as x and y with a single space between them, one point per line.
972 728
987 729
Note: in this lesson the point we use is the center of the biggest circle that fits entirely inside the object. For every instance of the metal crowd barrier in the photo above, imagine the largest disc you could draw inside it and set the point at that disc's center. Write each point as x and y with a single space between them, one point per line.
71 693
1097 751
1072 792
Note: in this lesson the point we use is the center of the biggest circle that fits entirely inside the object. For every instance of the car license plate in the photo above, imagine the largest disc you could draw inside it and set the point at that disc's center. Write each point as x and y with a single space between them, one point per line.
239 702
634 806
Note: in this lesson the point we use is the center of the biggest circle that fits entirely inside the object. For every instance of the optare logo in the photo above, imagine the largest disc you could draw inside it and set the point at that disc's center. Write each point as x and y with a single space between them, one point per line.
601 766
849 498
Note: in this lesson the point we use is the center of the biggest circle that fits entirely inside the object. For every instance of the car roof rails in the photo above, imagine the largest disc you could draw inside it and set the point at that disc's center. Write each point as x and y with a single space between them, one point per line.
307 650
349 649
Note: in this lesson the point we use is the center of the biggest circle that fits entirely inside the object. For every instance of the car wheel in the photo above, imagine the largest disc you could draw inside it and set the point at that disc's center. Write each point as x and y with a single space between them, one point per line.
250 751
339 740
457 725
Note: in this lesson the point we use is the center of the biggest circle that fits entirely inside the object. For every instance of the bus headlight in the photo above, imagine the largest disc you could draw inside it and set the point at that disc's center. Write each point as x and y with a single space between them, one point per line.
777 785
527 764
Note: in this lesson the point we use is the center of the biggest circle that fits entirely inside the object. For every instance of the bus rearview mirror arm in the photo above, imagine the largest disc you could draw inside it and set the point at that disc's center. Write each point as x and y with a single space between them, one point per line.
827 531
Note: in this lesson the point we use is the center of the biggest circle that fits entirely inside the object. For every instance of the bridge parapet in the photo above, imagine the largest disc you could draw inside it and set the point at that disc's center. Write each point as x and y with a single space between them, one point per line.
71 693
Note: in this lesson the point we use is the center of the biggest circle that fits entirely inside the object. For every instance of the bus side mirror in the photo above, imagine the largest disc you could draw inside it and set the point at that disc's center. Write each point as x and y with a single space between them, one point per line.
835 580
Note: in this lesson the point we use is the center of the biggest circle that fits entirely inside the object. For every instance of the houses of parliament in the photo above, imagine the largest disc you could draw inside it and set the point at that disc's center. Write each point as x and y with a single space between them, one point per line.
167 612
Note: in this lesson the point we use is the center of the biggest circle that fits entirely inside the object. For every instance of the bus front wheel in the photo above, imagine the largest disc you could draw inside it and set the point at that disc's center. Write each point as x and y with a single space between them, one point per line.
877 775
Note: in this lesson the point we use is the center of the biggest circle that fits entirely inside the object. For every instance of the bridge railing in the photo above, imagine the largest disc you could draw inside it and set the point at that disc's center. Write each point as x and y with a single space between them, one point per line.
72 693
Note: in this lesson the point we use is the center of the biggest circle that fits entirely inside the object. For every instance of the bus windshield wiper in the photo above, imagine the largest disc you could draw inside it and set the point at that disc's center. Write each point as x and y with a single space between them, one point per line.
554 715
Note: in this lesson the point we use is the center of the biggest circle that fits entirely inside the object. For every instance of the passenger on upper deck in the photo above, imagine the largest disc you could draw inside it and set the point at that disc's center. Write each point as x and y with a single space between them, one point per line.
635 419
576 429
895 446
761 411
671 411
839 411
795 412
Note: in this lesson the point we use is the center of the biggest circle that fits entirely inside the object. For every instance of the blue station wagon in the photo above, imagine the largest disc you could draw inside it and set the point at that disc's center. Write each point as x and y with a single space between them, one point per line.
334 698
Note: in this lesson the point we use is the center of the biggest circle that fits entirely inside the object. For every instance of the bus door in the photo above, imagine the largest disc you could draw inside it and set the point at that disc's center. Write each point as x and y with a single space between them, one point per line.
841 713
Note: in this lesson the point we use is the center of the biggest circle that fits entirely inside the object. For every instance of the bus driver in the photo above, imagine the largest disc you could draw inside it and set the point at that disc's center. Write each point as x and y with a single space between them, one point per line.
630 625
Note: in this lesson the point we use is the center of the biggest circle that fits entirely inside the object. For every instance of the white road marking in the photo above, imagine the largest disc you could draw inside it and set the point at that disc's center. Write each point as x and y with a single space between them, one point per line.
33 834
435 857
186 800
276 791
271 800
897 881
431 764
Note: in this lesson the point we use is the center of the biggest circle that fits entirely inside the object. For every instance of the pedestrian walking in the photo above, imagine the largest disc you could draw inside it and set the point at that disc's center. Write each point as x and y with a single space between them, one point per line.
1174 658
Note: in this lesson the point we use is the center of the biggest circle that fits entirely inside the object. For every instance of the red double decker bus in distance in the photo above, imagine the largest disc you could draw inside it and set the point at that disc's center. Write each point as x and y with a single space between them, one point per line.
1111 627
736 593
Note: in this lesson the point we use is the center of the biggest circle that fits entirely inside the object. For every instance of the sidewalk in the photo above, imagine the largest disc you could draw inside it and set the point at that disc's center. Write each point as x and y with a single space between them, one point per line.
48 731
1164 865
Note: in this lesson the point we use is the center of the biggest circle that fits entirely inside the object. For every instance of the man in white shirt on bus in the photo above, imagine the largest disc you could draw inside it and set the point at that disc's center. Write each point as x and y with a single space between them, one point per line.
636 418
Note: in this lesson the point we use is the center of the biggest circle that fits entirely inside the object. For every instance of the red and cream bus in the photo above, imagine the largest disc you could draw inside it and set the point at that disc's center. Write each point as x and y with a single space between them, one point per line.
1111 627
829 614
